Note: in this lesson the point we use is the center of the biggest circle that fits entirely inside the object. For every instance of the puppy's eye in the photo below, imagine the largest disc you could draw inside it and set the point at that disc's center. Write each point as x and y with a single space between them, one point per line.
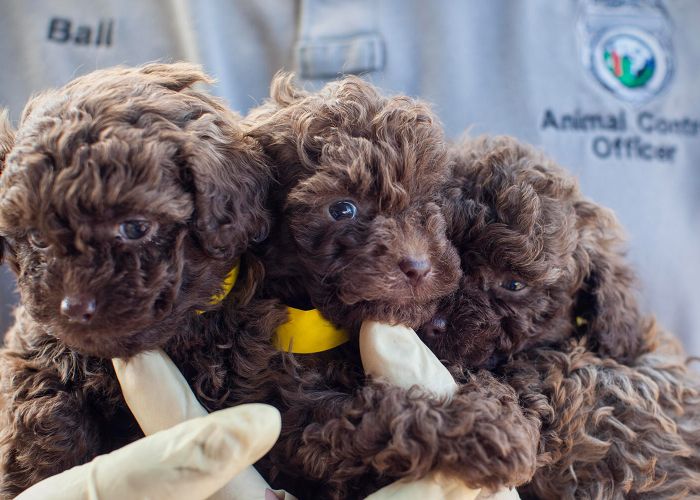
343 210
513 285
37 241
134 229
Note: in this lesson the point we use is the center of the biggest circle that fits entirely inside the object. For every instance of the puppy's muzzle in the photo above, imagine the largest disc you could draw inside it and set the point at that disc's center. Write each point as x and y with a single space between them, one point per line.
78 308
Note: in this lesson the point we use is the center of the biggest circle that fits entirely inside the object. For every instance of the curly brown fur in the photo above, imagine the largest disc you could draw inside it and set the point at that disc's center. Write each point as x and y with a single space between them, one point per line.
110 148
345 436
612 430
59 408
517 217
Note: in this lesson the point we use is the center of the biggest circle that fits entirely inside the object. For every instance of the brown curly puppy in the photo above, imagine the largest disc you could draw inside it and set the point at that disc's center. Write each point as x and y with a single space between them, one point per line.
361 234
126 197
360 237
548 302
540 262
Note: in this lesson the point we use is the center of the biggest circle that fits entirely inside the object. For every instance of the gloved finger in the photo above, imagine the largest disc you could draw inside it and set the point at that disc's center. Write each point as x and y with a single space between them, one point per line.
434 485
397 355
159 397
502 494
190 461
156 392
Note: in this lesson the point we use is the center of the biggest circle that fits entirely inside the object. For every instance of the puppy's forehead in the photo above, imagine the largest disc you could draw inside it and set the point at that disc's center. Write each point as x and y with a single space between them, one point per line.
520 220
109 142
388 190
395 177
523 193
64 174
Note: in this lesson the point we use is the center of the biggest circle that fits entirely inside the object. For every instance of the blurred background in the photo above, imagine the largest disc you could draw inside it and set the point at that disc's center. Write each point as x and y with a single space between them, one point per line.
608 88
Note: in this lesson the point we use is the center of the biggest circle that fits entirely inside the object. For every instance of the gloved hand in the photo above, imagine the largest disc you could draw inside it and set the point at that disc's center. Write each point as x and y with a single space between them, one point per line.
190 461
397 355
159 397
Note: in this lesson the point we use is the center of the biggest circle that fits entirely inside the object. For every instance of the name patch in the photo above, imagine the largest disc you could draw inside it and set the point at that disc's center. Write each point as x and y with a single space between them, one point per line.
65 31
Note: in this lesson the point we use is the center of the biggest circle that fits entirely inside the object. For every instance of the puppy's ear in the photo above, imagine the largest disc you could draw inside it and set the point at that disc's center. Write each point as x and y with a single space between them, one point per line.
606 305
230 177
7 139
176 76
281 124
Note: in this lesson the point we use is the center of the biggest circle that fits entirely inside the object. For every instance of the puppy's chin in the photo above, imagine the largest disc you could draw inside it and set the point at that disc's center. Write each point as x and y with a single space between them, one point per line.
111 345
115 341
392 299
470 349
410 313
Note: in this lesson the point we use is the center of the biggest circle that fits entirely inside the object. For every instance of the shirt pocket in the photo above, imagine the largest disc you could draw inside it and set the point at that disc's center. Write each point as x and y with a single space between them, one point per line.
329 57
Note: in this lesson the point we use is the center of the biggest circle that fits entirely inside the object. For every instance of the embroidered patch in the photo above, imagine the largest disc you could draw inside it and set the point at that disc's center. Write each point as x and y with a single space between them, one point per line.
627 47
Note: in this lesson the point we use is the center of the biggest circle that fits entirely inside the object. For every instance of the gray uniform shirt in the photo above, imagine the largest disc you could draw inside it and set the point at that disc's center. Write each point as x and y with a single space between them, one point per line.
607 88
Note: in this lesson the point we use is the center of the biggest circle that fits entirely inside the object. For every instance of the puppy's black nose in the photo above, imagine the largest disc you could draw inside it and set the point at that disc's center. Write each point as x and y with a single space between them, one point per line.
435 327
78 308
415 268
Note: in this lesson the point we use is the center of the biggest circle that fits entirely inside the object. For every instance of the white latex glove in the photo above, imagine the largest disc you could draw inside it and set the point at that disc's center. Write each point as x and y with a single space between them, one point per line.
190 461
159 397
434 486
397 355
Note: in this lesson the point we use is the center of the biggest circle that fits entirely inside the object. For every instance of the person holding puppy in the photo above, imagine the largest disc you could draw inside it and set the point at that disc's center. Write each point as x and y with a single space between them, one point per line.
604 86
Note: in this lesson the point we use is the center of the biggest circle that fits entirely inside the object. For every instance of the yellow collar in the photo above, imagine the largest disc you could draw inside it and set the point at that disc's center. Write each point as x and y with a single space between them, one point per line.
226 286
307 332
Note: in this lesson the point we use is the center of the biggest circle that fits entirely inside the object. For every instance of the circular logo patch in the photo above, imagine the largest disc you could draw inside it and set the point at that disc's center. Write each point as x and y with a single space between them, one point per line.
630 62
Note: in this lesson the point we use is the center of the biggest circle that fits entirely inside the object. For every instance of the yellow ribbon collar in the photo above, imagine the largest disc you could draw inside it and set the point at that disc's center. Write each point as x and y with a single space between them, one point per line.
307 332
226 286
